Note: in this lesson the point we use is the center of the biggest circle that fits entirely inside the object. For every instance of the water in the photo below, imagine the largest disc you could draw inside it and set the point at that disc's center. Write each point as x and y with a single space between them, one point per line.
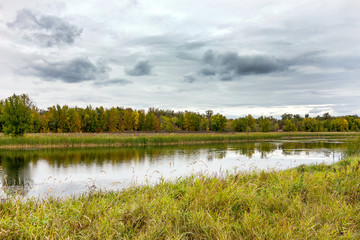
65 172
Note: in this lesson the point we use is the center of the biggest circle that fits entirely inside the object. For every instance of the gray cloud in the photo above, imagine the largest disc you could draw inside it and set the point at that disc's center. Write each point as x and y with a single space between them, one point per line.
243 65
230 65
189 78
207 72
141 68
73 71
311 57
209 57
226 78
45 30
186 56
192 45
118 82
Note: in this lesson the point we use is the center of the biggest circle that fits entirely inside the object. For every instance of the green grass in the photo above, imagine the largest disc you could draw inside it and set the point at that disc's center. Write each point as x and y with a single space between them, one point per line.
308 202
135 139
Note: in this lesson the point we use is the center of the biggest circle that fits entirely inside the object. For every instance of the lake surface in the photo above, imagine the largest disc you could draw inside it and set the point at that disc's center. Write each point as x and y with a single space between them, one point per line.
65 172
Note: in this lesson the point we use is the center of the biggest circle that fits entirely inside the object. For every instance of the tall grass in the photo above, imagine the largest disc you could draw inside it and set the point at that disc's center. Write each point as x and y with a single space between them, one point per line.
308 202
134 139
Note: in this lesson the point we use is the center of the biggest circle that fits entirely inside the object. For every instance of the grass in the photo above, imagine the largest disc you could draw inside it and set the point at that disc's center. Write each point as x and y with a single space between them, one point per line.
52 140
307 202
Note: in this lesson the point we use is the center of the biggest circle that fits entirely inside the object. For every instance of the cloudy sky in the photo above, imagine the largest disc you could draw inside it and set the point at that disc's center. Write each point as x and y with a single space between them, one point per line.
236 57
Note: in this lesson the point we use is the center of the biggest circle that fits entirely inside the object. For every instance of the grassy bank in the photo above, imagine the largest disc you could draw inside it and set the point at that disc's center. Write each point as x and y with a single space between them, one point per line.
51 140
308 202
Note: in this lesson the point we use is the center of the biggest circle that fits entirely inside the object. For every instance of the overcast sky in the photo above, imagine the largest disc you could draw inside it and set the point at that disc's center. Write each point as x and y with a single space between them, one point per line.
235 57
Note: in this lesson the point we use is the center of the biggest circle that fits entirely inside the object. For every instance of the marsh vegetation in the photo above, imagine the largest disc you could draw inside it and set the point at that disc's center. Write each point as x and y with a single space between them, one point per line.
317 201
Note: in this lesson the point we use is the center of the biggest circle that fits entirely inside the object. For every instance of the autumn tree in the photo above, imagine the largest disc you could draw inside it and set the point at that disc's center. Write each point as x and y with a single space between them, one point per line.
128 119
111 120
74 120
339 124
135 120
120 118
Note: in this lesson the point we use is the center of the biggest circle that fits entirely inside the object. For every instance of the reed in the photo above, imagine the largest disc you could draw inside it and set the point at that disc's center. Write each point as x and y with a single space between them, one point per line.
307 202
49 140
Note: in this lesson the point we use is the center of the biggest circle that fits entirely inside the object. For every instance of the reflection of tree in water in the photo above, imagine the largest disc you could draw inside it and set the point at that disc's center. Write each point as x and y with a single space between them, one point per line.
266 148
296 148
246 149
249 149
98 156
216 153
15 174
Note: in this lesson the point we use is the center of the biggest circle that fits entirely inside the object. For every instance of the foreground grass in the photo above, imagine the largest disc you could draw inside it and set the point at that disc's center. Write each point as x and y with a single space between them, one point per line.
308 202
51 140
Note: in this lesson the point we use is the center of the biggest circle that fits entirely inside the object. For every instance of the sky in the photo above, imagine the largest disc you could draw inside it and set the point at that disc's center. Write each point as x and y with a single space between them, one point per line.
258 57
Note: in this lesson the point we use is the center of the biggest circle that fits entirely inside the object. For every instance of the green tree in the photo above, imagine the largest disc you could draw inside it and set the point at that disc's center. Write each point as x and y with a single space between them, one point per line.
35 125
208 115
88 119
180 121
16 115
100 112
310 124
142 118
204 125
218 123
265 124
1 111
150 121
192 121
289 126
238 125
250 123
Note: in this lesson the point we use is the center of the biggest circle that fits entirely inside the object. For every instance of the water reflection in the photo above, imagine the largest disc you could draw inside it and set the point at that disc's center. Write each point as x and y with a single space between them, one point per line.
71 171
15 171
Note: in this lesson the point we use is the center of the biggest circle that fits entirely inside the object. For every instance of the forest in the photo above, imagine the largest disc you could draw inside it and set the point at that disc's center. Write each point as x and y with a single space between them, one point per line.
19 115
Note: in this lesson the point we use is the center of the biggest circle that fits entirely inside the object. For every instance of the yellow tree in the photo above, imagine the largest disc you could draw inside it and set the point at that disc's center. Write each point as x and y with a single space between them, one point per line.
135 120
128 122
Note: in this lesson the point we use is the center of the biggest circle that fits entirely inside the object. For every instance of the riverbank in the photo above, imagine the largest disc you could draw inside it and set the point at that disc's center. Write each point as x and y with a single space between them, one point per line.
73 140
320 201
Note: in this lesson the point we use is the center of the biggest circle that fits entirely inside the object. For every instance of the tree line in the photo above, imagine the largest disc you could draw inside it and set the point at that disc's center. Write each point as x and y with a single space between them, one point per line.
19 115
